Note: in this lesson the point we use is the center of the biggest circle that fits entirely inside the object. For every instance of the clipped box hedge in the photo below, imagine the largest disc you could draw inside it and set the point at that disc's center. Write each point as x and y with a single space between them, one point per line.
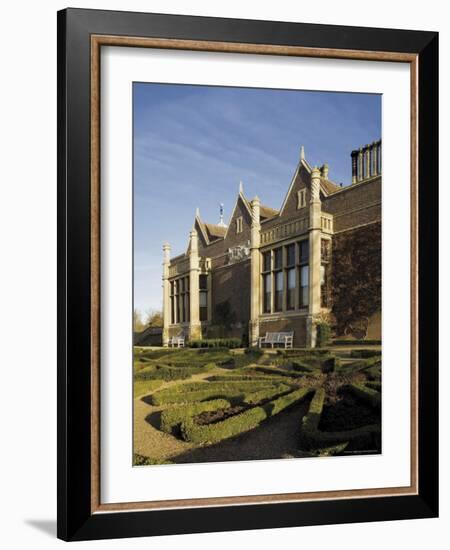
338 342
174 416
366 394
247 420
243 378
268 393
208 391
313 438
243 385
317 439
365 353
162 372
274 371
228 343
311 420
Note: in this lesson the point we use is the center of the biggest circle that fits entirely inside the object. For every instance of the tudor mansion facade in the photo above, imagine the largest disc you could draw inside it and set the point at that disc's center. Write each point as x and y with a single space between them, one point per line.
283 270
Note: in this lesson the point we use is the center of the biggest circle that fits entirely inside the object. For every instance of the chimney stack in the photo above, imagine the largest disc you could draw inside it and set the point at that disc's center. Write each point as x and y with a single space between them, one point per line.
366 162
324 170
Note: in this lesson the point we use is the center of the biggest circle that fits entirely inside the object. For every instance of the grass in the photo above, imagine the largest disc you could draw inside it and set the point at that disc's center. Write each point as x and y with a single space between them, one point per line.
144 387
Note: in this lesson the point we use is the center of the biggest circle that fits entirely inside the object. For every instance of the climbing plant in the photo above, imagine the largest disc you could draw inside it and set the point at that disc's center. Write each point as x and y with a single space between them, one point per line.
356 280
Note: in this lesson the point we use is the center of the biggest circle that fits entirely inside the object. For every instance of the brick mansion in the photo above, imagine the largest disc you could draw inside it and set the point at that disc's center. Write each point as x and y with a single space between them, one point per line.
316 258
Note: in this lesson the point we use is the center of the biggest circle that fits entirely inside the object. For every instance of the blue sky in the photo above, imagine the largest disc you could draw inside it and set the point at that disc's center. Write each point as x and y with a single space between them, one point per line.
194 144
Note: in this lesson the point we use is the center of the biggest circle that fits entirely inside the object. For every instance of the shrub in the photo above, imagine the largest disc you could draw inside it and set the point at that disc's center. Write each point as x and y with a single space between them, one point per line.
141 460
356 342
243 385
329 364
274 371
267 393
362 364
213 433
191 397
207 391
368 395
253 376
365 353
323 334
166 372
174 416
299 366
228 343
161 372
285 401
312 437
311 421
317 439
242 422
302 352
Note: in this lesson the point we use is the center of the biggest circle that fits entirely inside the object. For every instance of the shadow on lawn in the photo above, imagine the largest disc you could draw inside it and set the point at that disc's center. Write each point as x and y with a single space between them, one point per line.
277 437
154 419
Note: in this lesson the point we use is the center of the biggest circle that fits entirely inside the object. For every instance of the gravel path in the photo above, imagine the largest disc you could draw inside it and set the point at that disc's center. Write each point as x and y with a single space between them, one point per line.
276 438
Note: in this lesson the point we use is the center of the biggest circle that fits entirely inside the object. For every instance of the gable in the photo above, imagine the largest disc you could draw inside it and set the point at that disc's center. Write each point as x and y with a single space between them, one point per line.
202 234
241 213
301 182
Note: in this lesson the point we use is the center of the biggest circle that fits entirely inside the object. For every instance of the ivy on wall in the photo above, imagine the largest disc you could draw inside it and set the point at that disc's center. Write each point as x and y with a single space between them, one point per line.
356 280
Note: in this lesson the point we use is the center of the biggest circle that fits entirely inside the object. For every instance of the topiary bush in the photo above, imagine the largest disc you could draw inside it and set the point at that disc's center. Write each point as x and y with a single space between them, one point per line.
323 334
228 343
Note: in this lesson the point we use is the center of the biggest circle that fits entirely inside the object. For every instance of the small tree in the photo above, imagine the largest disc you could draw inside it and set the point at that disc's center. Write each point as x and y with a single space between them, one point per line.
138 325
154 318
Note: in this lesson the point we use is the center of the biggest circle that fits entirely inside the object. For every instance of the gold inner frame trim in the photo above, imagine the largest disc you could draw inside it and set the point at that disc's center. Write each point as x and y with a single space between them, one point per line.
97 41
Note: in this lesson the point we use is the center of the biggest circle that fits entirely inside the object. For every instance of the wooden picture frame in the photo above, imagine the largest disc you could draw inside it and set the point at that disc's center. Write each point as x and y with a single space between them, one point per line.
81 35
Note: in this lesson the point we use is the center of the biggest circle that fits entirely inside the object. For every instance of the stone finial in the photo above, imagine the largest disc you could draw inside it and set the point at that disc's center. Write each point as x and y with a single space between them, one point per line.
256 211
315 184
197 212
302 152
325 170
166 252
241 187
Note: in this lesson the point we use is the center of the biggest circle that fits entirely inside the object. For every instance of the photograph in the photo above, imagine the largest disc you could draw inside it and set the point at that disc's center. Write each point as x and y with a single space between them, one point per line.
257 261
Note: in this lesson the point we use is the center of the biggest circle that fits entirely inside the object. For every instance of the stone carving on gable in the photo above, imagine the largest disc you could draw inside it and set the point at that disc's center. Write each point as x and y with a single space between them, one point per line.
238 253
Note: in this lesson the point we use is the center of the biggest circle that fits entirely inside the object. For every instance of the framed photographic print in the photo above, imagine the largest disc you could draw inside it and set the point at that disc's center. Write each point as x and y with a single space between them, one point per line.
247 274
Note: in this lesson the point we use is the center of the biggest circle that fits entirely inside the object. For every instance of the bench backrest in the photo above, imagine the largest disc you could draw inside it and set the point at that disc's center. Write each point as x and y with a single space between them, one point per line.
283 335
276 337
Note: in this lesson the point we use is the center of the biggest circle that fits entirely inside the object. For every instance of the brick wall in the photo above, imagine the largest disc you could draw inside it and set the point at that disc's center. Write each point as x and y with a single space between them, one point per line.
297 324
355 205
232 284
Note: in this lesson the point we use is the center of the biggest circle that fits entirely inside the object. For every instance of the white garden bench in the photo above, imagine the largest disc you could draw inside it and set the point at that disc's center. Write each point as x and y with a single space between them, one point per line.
177 341
273 338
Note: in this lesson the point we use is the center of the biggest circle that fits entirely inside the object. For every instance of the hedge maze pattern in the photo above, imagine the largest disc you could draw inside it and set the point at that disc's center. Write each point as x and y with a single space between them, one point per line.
342 395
